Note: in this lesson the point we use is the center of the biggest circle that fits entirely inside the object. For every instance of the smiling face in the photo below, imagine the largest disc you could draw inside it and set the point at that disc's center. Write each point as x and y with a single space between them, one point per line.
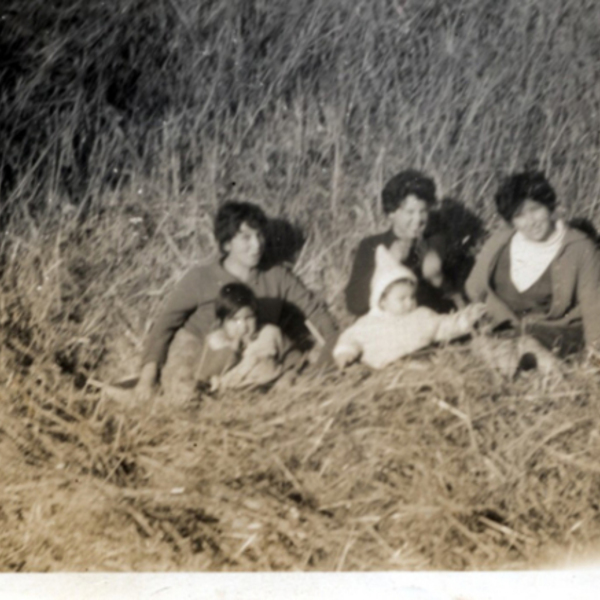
245 248
534 221
241 326
410 218
399 298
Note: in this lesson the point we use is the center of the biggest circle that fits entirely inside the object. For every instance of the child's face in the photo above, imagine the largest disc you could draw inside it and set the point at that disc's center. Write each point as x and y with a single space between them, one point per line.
245 247
399 299
241 326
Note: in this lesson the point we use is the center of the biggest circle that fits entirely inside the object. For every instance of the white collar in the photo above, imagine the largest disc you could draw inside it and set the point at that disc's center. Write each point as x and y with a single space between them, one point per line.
529 260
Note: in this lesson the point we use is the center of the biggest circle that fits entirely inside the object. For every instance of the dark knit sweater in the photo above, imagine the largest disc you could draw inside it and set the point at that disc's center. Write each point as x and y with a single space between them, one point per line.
191 305
575 276
358 288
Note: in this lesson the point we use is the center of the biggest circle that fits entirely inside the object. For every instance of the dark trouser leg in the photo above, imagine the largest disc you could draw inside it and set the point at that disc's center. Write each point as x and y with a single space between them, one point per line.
178 375
562 339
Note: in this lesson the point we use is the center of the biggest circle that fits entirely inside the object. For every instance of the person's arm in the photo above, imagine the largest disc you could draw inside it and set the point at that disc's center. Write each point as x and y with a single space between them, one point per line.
182 301
588 294
358 288
459 323
318 320
476 286
268 343
180 304
347 350
218 355
146 381
260 362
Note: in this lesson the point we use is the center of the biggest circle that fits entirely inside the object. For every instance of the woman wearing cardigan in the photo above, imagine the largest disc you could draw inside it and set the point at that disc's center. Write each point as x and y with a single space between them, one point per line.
537 274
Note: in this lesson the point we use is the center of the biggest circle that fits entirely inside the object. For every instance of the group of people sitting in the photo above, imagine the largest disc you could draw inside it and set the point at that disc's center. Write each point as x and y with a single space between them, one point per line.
226 324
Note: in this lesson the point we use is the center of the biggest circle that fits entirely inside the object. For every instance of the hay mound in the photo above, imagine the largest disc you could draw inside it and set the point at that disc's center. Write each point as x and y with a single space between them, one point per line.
426 465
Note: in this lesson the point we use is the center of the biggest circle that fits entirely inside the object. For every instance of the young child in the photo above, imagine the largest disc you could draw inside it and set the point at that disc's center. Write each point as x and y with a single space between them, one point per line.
175 342
394 325
239 353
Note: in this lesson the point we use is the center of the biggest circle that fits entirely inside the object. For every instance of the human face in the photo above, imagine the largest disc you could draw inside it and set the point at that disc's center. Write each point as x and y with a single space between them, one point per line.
534 221
410 218
241 326
399 299
245 249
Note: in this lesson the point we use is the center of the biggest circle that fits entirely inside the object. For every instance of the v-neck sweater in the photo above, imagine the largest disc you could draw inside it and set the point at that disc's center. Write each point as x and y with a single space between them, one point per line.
536 299
575 273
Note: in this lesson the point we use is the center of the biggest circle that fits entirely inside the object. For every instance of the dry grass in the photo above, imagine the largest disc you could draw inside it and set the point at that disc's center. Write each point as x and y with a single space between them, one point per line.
396 470
123 129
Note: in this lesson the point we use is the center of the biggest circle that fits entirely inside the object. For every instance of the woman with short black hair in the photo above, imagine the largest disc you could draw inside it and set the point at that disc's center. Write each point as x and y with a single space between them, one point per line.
537 274
406 199
175 342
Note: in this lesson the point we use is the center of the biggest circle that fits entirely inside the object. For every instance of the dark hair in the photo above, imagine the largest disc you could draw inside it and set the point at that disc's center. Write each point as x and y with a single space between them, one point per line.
230 218
231 298
404 184
517 188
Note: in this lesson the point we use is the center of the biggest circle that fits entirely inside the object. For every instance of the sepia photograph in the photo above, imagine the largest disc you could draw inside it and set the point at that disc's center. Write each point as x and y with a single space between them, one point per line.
305 286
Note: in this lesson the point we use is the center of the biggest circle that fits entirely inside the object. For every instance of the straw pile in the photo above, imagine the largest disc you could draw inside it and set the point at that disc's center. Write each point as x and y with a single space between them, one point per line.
427 465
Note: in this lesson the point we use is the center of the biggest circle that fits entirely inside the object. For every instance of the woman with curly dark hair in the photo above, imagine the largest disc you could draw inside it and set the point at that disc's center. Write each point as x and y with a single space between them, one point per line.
536 273
406 199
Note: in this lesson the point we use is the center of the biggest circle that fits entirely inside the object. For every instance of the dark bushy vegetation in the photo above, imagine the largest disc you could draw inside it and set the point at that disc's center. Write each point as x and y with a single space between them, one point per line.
92 91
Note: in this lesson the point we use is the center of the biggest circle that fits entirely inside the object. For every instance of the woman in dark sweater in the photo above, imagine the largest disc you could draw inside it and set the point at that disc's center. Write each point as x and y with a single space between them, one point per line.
175 342
406 200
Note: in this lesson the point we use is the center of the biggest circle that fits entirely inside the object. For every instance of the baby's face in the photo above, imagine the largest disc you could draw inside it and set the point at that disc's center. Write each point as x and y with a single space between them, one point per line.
399 299
241 326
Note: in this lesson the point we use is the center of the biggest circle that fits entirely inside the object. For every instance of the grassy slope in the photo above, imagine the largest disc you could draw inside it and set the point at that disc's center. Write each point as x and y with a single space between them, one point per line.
121 132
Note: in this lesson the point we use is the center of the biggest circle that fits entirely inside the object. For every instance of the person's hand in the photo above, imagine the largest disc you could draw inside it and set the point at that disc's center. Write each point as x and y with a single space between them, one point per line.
145 385
265 371
343 359
475 312
215 384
